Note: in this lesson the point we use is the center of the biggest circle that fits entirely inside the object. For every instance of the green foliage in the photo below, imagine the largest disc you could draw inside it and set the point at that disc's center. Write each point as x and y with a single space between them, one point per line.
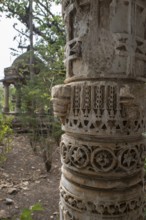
1 98
27 213
49 35
36 102
5 128
47 27
5 136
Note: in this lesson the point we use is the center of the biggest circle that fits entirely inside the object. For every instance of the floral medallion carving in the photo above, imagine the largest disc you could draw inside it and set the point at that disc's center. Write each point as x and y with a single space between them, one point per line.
104 208
79 156
65 154
103 160
129 158
92 157
102 108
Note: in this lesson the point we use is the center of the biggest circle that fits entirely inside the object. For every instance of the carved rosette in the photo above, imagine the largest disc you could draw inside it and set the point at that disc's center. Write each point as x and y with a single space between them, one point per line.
109 205
102 108
102 151
103 158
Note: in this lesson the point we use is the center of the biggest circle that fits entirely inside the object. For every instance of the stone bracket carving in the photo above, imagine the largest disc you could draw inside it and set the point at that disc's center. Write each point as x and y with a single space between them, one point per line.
61 101
102 108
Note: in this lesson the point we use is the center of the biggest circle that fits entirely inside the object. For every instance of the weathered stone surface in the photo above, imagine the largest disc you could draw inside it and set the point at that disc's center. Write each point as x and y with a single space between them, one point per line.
17 75
105 38
61 101
103 108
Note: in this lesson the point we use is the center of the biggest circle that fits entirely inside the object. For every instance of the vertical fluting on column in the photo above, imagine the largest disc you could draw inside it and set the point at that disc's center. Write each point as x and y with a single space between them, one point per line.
6 98
102 108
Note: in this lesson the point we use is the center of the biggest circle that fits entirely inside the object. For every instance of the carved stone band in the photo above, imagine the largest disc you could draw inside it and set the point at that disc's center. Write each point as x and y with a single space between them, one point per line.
103 158
108 204
105 108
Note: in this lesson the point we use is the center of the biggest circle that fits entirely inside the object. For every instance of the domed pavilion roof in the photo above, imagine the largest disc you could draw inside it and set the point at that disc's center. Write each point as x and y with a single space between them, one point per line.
22 64
20 68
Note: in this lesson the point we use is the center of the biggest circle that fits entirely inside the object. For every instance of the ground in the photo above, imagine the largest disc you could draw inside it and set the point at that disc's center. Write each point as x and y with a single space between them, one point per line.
24 182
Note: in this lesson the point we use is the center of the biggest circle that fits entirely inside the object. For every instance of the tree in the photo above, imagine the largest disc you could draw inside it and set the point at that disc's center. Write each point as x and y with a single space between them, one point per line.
49 35
48 29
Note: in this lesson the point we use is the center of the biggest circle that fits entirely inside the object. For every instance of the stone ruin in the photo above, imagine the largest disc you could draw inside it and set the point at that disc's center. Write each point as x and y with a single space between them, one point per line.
102 108
38 125
16 75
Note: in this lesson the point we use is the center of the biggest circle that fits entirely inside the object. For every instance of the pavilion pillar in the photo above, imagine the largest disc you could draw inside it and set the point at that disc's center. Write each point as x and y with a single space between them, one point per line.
6 98
102 108
18 98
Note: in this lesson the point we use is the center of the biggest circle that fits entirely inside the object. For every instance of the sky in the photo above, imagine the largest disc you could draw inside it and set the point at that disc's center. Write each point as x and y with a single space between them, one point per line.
7 41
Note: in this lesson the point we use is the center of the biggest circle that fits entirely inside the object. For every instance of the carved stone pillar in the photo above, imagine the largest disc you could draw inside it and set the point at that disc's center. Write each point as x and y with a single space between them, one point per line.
6 98
18 98
102 108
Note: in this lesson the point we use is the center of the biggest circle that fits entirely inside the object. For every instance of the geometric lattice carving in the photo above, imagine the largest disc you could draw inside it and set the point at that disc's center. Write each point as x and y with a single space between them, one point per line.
99 109
102 108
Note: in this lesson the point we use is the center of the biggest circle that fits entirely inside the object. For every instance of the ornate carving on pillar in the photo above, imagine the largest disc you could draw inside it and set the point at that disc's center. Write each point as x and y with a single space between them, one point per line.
103 158
61 101
102 107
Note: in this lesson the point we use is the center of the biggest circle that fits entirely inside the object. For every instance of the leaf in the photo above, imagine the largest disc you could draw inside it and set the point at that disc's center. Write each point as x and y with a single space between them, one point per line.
26 215
37 207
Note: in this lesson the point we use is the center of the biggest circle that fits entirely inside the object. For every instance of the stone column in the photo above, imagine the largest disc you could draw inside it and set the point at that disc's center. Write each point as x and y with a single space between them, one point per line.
102 108
6 98
18 98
